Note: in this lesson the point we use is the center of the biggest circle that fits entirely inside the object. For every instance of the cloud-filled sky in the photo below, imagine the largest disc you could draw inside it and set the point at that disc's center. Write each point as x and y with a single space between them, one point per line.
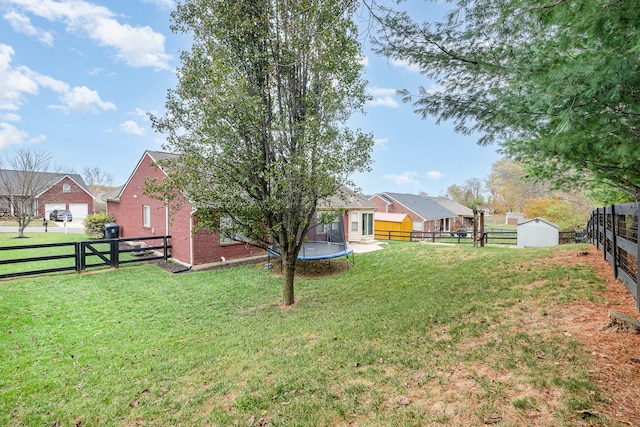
78 78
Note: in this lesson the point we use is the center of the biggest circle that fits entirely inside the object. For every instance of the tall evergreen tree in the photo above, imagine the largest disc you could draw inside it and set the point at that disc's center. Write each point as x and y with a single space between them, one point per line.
258 117
557 83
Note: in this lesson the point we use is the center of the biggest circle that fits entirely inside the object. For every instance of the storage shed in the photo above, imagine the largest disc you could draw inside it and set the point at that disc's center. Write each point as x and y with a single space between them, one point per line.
392 226
537 232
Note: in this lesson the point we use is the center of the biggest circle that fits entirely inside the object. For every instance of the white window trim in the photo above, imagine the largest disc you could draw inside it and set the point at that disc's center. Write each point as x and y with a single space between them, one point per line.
146 216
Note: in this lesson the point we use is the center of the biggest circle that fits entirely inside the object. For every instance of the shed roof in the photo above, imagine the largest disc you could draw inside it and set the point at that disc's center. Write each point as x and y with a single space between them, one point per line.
389 217
538 220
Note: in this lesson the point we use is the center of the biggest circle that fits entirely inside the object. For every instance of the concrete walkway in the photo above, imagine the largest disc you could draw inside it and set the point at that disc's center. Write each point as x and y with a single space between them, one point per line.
360 248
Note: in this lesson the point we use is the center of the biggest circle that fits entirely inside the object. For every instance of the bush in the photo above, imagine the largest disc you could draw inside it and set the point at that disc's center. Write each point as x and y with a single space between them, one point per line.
94 224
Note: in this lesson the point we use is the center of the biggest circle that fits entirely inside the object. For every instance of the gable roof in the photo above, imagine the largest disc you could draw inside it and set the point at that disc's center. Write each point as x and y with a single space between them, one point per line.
346 199
155 156
45 180
455 207
425 208
538 220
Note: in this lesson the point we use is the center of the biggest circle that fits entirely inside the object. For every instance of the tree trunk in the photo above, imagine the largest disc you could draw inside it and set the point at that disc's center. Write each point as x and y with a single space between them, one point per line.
288 272
22 224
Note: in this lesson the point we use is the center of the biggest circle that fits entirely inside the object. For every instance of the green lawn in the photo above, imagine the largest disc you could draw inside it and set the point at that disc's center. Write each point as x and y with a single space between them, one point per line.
413 335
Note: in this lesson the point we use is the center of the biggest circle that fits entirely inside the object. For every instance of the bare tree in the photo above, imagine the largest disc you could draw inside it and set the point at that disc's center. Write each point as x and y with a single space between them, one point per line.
97 179
21 181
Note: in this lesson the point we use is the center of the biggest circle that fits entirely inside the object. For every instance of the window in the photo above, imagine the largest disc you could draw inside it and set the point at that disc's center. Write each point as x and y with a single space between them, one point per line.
418 226
326 223
354 221
66 188
146 216
367 224
230 236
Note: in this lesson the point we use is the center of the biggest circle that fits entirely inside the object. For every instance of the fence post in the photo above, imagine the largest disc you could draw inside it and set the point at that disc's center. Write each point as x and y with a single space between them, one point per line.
637 215
79 256
165 242
614 241
113 248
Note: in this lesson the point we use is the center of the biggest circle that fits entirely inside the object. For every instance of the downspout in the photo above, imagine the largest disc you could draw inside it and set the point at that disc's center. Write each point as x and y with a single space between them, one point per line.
191 214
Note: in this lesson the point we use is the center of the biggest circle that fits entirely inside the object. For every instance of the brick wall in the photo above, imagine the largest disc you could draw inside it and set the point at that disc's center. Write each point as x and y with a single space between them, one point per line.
129 215
56 194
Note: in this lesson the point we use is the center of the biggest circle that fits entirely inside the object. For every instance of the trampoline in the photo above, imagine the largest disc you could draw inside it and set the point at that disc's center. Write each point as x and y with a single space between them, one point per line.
312 251
323 242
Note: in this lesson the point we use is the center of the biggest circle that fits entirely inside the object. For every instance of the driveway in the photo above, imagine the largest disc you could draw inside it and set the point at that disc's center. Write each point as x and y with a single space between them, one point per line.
52 227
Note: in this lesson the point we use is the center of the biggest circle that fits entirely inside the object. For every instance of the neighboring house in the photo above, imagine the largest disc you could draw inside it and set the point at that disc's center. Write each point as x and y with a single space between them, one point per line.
488 210
52 191
358 215
140 215
393 226
425 213
465 214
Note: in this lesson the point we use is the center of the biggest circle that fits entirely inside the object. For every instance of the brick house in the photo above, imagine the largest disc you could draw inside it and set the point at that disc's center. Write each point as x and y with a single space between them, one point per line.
357 217
49 190
139 215
426 214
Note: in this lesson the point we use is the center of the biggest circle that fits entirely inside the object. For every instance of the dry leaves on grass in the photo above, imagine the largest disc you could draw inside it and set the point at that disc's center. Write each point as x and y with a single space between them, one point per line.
616 363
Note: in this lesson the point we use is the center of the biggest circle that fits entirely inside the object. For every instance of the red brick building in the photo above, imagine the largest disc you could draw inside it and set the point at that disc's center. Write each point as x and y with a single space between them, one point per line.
49 191
139 215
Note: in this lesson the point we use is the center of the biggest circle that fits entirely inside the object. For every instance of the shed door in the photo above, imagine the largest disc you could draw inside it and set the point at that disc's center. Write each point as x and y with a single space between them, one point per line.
79 210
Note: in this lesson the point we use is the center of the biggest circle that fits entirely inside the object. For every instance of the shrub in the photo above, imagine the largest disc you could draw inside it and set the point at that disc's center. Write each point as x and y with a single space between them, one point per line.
94 224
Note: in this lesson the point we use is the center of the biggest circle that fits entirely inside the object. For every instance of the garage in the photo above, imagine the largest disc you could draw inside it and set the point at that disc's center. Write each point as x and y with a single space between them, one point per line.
79 210
48 207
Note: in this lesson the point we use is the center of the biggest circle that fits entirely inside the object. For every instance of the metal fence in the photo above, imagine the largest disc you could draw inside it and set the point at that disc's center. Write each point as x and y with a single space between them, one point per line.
614 231
28 260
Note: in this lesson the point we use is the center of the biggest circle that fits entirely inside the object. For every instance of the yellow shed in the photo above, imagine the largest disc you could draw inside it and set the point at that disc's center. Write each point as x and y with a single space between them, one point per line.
392 226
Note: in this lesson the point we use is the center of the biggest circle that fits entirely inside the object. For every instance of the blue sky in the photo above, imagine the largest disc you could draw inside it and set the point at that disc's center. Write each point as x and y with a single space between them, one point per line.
77 79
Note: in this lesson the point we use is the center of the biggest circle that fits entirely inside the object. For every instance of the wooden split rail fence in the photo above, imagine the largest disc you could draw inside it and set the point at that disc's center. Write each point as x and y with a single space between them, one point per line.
614 231
27 260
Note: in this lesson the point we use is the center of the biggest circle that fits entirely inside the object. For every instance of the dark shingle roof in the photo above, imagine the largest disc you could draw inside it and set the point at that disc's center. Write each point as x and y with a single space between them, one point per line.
347 199
428 209
44 180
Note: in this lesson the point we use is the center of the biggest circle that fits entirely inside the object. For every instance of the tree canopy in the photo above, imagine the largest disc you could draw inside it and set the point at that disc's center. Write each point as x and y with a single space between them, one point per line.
556 83
258 118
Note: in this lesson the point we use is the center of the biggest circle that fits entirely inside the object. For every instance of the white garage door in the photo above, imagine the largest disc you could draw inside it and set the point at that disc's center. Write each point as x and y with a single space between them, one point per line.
48 207
79 210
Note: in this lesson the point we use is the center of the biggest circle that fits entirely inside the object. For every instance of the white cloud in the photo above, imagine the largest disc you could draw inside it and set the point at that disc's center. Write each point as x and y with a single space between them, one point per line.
434 175
380 144
139 112
383 97
10 134
10 117
166 4
409 66
364 61
81 99
22 24
137 46
17 82
131 127
405 179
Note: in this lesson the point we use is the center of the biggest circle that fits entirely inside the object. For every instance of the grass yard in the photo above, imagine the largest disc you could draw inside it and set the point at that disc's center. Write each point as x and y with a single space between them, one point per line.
413 335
